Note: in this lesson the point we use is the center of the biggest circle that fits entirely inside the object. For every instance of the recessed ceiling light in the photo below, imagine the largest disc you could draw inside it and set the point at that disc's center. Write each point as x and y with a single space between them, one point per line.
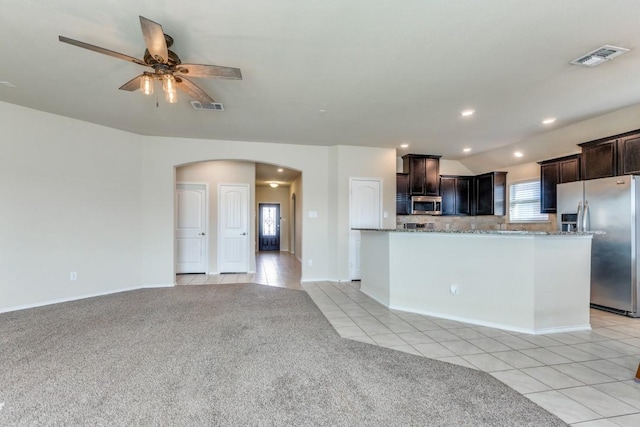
466 149
548 121
273 184
404 145
467 113
280 170
518 154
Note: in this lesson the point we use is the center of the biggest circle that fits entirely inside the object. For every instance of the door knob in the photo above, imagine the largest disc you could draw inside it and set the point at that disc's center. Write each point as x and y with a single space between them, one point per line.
202 234
243 234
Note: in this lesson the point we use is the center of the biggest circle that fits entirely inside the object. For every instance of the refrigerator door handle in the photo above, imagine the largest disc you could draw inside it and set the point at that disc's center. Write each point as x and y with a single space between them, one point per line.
579 224
585 216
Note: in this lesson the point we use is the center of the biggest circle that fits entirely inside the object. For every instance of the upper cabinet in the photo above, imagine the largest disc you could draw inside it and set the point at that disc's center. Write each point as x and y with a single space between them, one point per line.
613 156
402 194
553 172
629 155
456 194
490 190
424 174
599 159
474 195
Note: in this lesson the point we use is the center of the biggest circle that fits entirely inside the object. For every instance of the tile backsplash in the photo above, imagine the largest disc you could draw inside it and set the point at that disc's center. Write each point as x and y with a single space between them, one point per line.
487 222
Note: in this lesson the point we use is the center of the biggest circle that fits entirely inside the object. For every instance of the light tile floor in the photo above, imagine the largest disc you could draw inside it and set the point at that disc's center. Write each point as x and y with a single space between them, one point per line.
585 378
280 269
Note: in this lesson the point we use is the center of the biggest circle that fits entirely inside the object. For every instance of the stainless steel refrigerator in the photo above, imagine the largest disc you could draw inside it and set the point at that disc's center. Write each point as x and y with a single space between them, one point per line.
609 205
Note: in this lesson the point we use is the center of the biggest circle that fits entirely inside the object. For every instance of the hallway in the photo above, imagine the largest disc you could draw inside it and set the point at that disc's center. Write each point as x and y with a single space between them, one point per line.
273 268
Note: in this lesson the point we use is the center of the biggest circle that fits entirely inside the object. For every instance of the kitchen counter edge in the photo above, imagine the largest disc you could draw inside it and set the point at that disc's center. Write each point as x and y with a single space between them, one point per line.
494 232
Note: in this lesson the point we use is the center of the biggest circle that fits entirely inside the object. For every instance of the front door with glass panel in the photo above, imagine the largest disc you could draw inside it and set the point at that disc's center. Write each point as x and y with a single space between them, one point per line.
269 227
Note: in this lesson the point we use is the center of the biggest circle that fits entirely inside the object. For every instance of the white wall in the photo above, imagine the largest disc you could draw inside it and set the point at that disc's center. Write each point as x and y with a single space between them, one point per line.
523 172
357 162
214 173
70 200
161 155
453 167
278 195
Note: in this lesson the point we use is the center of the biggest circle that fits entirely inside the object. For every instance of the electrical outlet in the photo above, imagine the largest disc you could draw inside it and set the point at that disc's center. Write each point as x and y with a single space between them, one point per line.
454 289
73 275
310 262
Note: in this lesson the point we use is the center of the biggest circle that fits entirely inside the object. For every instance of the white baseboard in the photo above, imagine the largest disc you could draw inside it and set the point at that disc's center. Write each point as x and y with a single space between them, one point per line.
531 331
79 297
313 280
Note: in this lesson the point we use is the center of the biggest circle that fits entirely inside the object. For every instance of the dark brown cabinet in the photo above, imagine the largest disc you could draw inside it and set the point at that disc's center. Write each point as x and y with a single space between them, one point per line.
424 174
629 155
489 193
474 195
456 194
569 169
613 156
599 159
552 173
402 194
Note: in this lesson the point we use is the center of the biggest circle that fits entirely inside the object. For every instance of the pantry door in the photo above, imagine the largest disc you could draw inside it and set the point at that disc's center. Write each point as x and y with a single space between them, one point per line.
365 211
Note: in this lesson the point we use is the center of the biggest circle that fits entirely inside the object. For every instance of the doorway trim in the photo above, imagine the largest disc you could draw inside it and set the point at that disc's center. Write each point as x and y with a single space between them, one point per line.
292 232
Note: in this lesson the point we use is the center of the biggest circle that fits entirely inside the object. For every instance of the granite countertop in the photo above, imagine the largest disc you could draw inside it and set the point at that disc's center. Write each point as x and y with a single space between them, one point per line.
495 232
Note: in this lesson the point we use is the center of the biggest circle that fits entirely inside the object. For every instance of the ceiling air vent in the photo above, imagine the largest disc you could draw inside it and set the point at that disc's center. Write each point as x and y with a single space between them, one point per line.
214 106
600 55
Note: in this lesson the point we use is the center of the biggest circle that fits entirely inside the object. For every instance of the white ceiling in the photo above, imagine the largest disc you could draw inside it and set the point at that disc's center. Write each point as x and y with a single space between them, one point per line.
267 174
384 72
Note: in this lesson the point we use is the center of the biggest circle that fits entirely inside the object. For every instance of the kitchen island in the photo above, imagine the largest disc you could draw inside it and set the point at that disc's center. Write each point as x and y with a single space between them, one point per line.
530 282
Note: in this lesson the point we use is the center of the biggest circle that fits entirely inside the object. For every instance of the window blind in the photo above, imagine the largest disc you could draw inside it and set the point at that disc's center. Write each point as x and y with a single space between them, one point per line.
524 202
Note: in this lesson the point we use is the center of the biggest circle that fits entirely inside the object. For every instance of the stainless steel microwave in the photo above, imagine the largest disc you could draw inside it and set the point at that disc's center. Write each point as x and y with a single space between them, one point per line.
426 205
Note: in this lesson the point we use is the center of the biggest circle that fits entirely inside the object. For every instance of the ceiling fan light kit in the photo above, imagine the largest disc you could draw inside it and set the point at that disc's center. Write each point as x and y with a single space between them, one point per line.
146 84
166 65
169 88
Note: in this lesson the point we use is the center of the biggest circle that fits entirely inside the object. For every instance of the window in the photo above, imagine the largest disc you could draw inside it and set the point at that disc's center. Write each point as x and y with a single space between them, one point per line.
524 202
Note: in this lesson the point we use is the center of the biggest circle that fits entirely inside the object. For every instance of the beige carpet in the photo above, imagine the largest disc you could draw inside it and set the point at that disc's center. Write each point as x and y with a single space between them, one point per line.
239 354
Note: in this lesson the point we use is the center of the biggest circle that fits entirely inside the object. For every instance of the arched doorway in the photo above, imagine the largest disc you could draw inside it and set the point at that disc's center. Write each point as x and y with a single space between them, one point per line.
213 173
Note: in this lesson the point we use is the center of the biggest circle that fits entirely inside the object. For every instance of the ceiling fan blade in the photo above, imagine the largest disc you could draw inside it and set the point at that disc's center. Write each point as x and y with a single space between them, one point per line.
197 70
193 91
102 50
154 39
133 84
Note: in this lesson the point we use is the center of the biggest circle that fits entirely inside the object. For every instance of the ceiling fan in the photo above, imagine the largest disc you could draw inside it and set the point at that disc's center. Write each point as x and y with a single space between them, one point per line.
166 66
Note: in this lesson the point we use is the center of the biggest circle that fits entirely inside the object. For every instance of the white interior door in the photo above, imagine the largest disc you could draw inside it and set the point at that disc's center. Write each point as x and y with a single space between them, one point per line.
191 228
233 220
365 211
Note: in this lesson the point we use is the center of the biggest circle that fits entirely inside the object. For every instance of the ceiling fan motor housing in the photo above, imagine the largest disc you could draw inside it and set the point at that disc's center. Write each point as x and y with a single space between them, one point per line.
172 61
